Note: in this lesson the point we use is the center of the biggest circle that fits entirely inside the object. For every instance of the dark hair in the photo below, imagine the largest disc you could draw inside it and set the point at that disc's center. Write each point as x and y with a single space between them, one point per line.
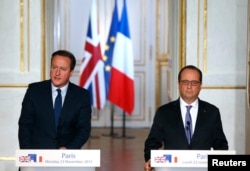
190 67
67 54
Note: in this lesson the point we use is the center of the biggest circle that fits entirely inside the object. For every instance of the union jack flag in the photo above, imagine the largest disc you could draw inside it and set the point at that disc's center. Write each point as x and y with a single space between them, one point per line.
160 159
24 158
92 67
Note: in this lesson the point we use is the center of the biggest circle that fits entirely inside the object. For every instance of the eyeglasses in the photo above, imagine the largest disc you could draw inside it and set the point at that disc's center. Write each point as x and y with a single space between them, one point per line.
193 82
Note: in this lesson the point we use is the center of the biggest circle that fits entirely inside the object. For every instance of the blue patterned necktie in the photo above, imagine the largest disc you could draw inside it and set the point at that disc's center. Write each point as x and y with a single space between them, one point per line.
58 106
188 125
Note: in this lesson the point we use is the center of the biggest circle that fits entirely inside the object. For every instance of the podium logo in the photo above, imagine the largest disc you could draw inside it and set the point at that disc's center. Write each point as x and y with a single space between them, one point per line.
166 158
28 158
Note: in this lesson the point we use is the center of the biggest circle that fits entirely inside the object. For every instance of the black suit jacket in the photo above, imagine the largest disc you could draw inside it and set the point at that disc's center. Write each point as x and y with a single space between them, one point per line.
37 123
168 130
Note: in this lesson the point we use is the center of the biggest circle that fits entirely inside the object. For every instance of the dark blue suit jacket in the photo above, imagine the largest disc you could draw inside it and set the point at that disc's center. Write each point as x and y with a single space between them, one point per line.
37 123
168 130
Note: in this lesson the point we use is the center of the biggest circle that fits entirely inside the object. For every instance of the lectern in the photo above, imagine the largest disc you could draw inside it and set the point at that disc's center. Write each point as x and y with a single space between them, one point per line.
183 160
54 160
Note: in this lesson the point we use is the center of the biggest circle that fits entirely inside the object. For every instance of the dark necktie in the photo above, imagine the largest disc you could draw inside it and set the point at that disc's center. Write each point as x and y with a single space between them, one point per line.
58 106
188 124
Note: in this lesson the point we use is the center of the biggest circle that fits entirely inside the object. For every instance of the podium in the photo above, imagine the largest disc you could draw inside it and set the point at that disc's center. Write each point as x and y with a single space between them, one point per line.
54 160
183 160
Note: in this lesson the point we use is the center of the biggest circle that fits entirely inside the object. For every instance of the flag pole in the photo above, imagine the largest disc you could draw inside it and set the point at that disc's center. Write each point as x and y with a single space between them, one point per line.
94 136
124 128
111 134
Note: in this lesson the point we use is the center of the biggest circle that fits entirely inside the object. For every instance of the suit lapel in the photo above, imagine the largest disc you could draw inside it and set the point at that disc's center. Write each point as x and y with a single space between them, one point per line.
201 117
46 95
67 105
179 120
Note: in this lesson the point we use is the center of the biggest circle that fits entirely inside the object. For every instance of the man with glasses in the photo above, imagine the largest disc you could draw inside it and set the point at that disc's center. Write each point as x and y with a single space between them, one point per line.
187 123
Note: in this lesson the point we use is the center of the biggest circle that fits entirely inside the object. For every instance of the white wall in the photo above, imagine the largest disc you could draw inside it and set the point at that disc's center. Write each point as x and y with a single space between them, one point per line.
217 42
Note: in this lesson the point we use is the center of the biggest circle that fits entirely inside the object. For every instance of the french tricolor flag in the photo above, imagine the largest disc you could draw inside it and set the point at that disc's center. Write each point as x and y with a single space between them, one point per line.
121 92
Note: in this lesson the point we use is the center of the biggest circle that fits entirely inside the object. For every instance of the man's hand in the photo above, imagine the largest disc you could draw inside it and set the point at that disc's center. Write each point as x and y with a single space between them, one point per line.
147 166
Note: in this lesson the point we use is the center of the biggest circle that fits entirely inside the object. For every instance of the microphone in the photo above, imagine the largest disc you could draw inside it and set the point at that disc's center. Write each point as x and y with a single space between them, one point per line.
188 128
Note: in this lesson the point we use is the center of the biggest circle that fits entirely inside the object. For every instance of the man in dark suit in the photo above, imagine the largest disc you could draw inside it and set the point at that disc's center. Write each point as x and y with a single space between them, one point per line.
171 129
38 127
